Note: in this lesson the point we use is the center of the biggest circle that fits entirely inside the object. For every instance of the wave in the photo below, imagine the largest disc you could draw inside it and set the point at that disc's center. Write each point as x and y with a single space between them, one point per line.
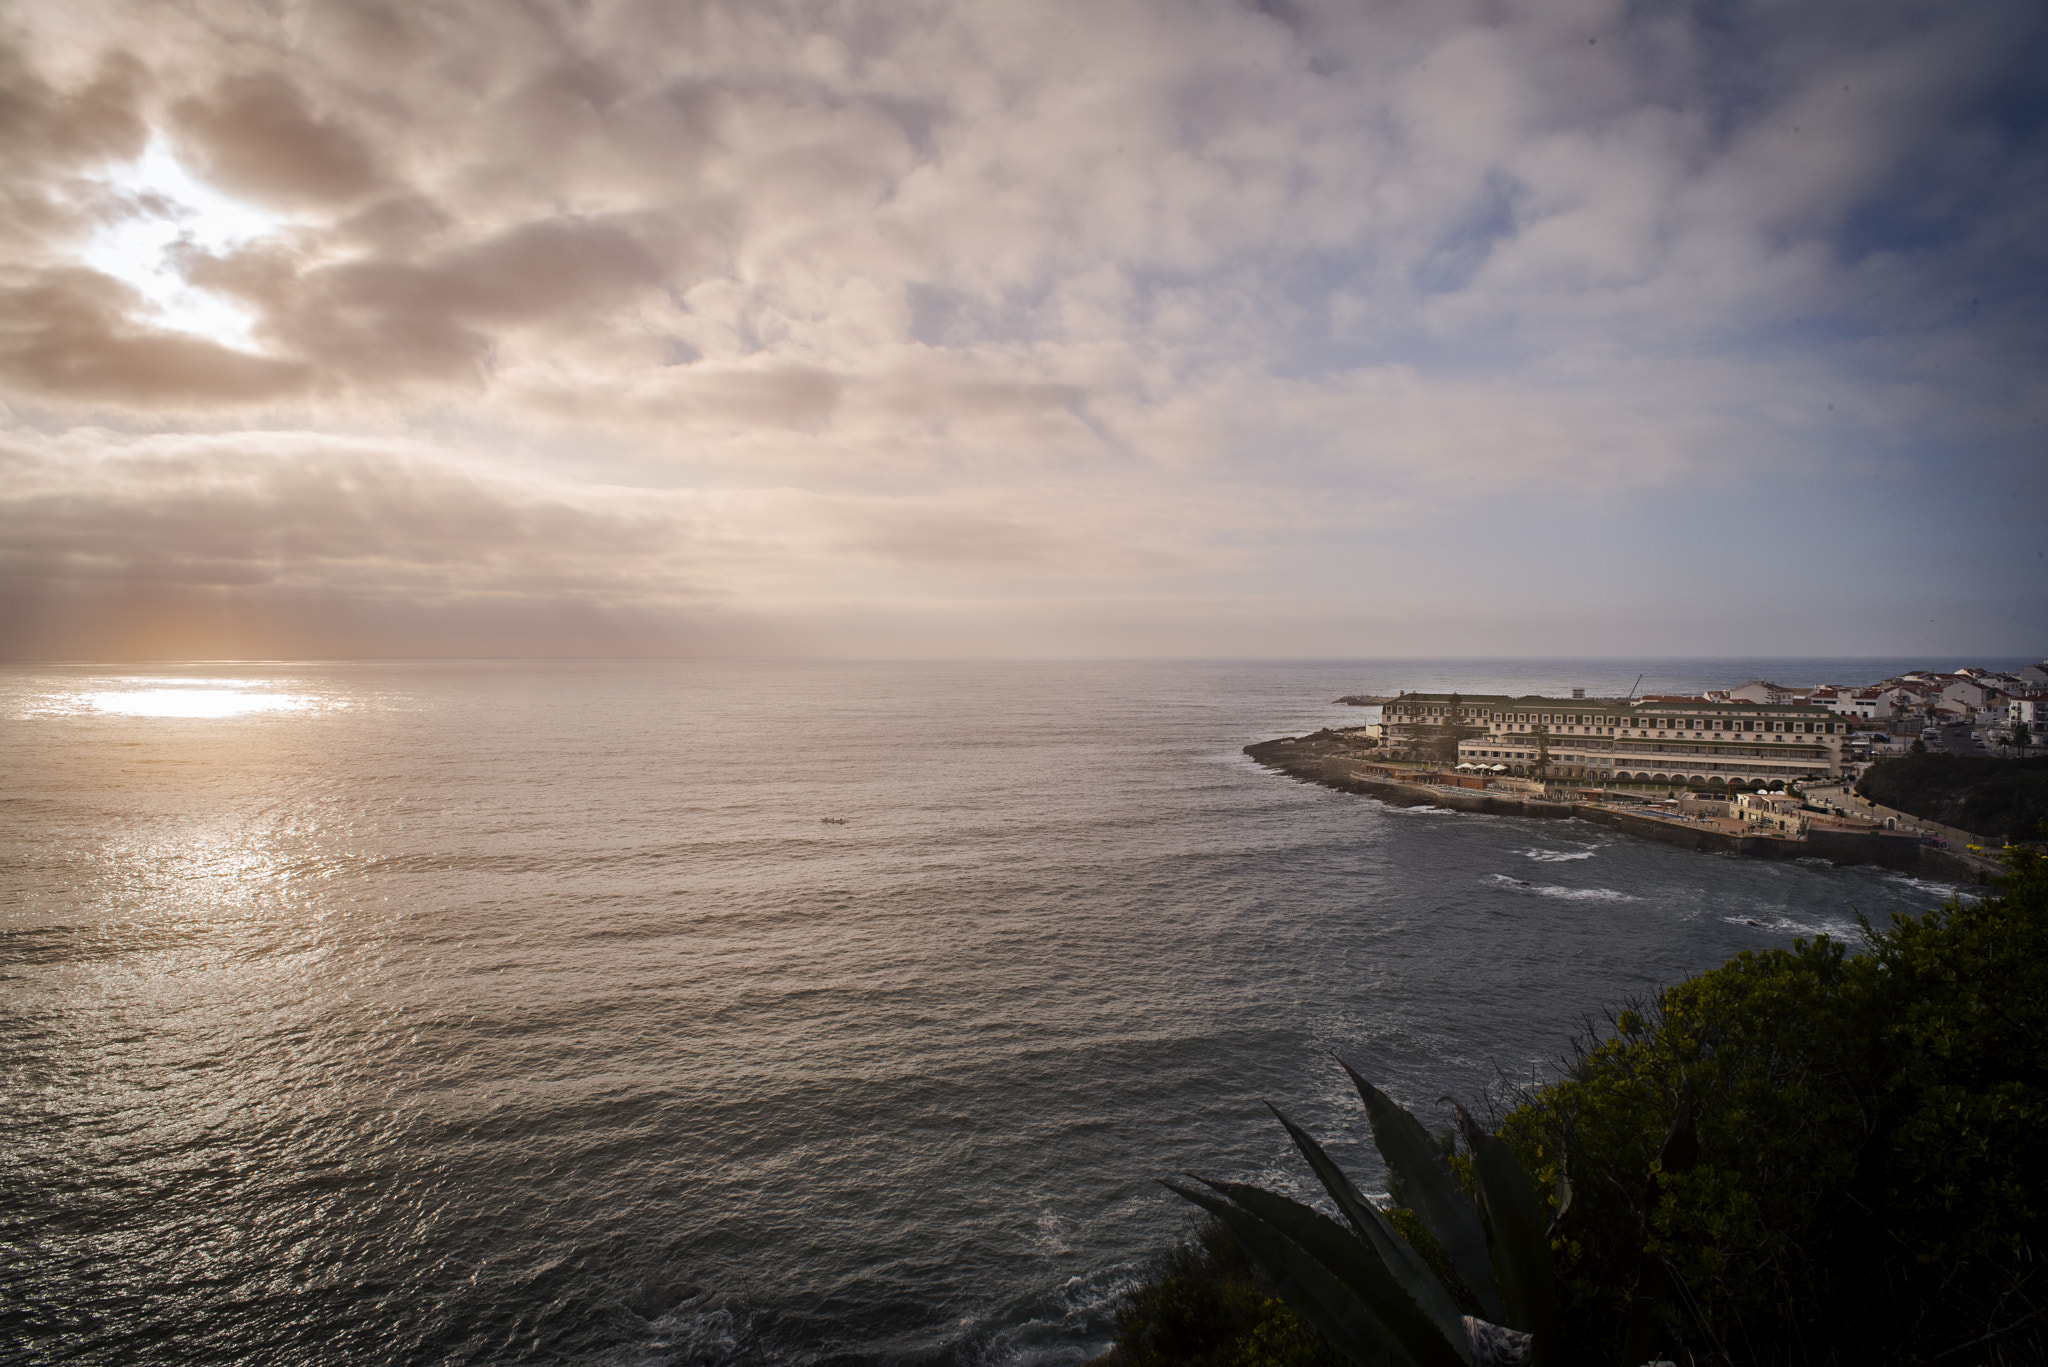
1556 856
1924 884
1846 931
1570 894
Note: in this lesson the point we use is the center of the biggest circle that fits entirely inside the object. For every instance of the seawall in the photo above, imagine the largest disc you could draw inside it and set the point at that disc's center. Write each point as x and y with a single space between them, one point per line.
1325 758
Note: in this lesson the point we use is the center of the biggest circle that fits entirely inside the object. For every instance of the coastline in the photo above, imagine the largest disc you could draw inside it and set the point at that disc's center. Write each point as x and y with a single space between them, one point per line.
1321 758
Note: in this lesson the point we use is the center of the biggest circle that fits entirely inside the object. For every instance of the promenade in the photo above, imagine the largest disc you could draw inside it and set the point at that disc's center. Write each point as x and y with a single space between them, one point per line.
1325 758
1958 838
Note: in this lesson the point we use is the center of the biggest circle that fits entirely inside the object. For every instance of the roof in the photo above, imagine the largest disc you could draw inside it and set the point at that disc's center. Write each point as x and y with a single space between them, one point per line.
1662 700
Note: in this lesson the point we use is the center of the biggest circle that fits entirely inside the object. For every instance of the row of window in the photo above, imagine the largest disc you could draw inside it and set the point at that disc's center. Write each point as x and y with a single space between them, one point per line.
1650 723
1711 766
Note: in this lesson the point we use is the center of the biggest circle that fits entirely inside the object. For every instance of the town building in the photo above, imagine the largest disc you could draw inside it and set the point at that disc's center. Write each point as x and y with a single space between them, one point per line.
1643 740
1772 811
1761 690
1910 698
1867 704
1968 694
2028 708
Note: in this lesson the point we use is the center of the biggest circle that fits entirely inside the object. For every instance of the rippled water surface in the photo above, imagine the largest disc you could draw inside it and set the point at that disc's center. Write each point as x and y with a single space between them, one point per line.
714 1012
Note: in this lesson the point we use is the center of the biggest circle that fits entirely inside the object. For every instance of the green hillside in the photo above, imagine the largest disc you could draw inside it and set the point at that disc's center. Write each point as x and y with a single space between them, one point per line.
2001 799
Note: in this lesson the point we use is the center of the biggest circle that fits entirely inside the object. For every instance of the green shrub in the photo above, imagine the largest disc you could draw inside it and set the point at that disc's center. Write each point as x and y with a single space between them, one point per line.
1805 1156
1870 1177
1999 798
1208 1305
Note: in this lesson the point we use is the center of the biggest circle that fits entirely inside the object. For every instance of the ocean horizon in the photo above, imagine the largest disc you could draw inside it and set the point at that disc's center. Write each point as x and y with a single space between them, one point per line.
652 1011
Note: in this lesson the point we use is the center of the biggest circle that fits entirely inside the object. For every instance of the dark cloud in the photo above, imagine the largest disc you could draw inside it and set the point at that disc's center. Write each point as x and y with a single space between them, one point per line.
42 125
279 513
278 545
909 294
394 227
49 134
253 135
382 320
71 333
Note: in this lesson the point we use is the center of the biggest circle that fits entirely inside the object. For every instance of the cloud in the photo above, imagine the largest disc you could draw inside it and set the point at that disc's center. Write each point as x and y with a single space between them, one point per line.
924 303
52 126
253 135
376 319
73 333
51 131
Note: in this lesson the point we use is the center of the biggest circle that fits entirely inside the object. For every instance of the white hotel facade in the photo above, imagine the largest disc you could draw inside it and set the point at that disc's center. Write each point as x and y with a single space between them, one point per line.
1651 740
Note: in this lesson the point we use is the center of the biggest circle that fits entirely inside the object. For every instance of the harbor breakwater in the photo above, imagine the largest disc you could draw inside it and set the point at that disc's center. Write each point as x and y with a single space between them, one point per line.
1325 758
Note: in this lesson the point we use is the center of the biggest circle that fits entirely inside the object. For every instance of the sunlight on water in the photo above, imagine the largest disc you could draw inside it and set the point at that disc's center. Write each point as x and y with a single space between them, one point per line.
194 702
541 1001
151 695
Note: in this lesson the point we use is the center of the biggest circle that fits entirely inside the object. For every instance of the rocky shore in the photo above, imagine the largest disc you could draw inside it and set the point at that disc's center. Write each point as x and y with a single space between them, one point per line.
1331 759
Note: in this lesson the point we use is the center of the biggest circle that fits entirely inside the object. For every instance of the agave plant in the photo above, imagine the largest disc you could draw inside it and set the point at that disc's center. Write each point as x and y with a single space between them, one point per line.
1367 1290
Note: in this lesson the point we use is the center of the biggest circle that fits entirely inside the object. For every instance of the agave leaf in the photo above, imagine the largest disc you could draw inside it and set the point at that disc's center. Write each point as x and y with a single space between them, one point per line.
1311 1290
1413 1334
1496 1345
1564 1199
1427 1187
1515 1231
1395 1252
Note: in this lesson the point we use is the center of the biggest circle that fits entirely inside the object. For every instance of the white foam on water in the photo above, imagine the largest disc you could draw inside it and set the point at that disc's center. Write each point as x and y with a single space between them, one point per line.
1569 894
1846 931
1923 884
1543 856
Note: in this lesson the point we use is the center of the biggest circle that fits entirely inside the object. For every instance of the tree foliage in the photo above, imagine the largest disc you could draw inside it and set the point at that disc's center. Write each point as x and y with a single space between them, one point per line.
1999 798
1209 1305
1805 1156
1869 1172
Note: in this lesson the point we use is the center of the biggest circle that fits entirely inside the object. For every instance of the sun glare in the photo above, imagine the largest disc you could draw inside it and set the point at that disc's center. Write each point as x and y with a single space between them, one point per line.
165 208
194 696
194 702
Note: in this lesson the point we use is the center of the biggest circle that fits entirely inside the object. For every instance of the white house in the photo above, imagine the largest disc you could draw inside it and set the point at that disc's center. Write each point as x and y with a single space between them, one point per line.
2028 709
1967 692
1866 704
1908 698
1773 811
1761 691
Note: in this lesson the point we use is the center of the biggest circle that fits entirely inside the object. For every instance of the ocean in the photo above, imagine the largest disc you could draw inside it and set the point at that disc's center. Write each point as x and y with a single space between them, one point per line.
638 1012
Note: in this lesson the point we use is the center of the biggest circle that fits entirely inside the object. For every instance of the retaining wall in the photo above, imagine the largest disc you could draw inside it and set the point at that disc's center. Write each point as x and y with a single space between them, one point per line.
1311 762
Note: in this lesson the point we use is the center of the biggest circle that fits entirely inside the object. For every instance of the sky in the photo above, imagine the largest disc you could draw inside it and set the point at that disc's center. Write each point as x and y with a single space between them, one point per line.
921 329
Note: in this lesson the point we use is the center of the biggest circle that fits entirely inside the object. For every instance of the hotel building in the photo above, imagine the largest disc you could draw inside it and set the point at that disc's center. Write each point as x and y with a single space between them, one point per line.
1647 740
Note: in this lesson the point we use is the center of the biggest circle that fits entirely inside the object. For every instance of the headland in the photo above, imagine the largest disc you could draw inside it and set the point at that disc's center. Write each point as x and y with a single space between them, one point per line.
1334 759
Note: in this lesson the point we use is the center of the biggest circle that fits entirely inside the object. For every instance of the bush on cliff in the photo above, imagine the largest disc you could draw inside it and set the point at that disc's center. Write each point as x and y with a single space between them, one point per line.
1209 1305
1864 1169
1871 1178
2003 799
